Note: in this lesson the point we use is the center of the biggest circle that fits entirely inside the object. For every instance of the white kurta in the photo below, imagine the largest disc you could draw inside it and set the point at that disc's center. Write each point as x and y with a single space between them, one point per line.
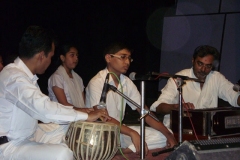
116 104
72 87
22 104
216 85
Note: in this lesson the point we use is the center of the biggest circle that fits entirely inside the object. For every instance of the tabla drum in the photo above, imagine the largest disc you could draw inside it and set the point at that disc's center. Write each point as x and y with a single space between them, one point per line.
93 140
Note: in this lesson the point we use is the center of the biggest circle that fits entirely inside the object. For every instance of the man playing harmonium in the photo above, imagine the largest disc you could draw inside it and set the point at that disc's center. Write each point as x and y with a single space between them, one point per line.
197 95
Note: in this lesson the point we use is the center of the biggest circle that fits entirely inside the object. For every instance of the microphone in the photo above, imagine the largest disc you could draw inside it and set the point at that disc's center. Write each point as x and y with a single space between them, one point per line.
154 154
236 87
177 76
134 76
102 103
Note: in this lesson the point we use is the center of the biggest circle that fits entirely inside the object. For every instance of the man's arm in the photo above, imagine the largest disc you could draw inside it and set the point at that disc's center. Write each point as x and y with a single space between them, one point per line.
165 108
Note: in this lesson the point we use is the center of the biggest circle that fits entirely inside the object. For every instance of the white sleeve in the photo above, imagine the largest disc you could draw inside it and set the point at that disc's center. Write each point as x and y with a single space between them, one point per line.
30 99
133 94
226 91
169 95
93 92
56 80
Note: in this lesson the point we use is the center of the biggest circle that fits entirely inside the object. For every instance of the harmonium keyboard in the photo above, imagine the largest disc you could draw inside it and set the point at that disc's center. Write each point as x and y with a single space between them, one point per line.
213 122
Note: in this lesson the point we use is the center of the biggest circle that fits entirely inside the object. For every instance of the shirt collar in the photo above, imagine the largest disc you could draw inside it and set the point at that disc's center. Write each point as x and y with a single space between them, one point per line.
192 73
23 67
207 77
122 77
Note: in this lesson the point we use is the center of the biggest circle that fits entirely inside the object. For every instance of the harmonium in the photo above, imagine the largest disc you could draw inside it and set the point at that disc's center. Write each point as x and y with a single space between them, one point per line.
213 122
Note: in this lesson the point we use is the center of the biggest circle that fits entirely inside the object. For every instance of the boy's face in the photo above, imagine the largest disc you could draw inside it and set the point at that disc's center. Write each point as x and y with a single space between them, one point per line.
119 62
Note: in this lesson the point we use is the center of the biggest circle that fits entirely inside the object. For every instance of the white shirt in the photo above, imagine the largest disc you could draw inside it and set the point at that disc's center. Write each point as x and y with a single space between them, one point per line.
153 138
57 79
22 103
115 103
216 85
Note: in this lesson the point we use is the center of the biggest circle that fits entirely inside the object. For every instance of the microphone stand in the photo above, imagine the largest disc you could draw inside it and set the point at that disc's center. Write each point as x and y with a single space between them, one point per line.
180 83
144 113
131 101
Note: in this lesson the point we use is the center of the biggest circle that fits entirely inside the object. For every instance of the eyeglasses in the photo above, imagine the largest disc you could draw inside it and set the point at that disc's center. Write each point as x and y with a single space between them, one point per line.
122 57
208 66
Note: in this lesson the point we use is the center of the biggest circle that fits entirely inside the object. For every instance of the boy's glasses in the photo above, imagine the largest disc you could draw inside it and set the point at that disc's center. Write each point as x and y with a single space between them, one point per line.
122 57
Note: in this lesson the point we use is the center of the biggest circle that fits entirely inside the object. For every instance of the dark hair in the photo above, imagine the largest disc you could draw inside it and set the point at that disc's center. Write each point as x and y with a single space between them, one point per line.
62 50
34 40
204 50
115 47
66 48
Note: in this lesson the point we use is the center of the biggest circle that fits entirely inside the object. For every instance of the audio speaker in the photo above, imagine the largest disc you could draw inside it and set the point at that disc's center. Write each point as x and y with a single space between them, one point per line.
193 151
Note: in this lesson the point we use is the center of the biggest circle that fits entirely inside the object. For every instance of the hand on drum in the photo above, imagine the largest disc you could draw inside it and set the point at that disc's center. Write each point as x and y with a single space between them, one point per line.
86 110
98 113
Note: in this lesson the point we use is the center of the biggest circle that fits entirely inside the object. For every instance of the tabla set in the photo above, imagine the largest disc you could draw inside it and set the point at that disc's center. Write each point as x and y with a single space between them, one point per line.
93 140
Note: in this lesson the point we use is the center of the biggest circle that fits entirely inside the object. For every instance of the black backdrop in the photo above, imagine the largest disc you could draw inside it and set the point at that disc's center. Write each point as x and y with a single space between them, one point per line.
91 25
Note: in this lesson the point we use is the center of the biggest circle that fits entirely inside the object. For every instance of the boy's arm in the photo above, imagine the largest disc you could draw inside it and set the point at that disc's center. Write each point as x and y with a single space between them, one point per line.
171 141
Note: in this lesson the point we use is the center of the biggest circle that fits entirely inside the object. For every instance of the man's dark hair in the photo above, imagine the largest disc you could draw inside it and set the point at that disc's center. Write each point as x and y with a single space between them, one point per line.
115 47
204 50
34 40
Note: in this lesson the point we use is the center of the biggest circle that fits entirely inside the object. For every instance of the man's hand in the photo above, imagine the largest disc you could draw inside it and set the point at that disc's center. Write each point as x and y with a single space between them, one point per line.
99 113
188 105
104 110
86 110
171 141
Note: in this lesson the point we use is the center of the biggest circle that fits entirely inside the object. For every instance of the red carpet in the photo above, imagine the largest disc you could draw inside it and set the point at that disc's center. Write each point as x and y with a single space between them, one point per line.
133 156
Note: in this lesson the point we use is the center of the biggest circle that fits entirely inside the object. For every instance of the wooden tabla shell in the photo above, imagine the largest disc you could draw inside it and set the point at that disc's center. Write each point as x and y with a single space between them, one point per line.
93 140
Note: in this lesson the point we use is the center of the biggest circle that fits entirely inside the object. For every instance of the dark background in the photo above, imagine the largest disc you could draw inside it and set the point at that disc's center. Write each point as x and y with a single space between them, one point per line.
162 33
90 24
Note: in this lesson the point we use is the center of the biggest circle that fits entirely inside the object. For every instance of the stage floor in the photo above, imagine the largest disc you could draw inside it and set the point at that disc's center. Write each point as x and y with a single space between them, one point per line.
133 156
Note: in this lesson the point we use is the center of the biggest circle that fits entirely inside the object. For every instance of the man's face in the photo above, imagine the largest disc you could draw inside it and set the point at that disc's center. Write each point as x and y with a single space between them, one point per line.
202 66
119 62
46 61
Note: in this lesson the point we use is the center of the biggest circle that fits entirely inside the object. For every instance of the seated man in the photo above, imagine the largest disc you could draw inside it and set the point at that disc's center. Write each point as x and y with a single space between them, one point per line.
118 59
22 103
197 95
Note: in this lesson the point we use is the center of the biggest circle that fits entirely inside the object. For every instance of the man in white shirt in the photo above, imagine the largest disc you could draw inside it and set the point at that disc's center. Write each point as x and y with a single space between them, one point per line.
118 59
197 95
22 103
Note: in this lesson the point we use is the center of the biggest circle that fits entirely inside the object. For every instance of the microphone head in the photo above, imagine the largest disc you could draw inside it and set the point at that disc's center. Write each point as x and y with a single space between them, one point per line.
132 76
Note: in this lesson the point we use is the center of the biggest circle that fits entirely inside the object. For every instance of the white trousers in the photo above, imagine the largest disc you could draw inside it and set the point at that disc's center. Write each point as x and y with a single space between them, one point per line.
45 145
153 138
